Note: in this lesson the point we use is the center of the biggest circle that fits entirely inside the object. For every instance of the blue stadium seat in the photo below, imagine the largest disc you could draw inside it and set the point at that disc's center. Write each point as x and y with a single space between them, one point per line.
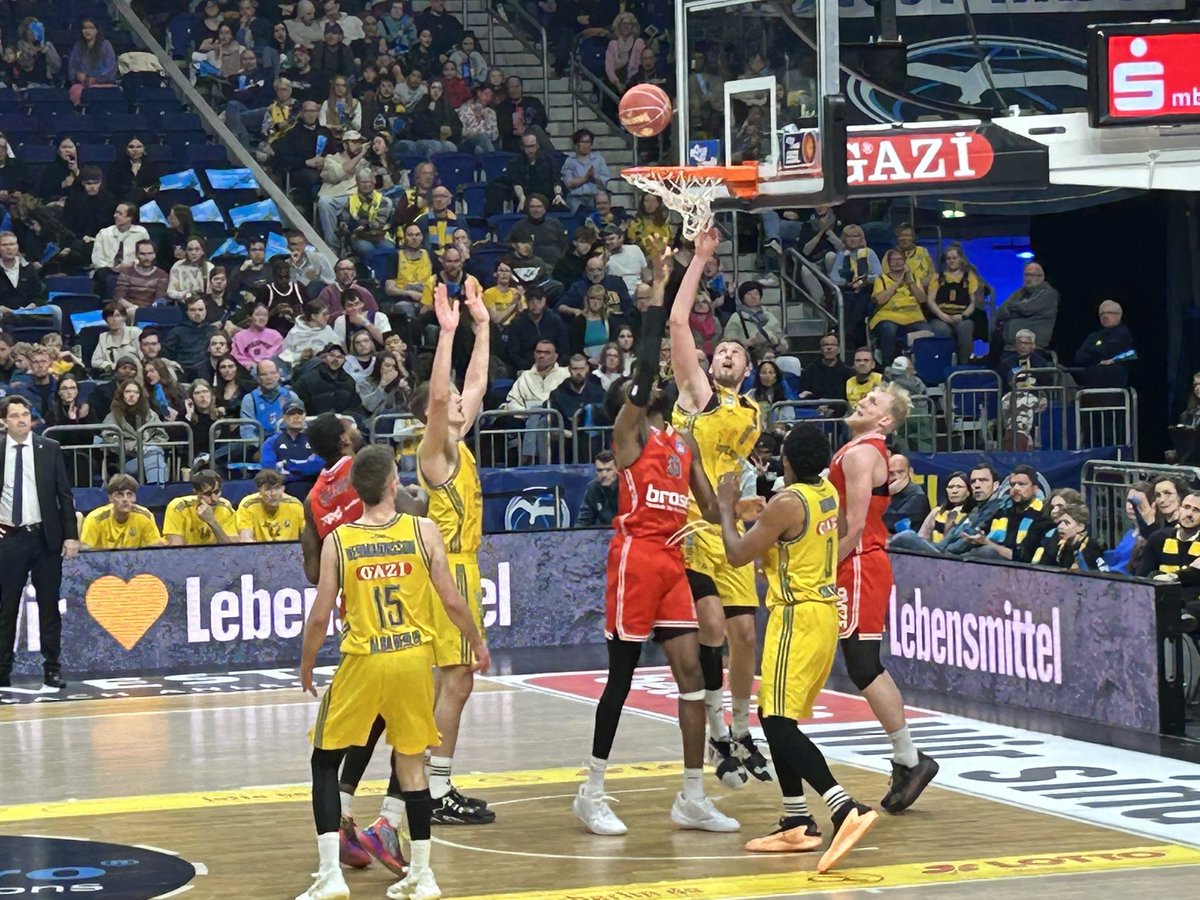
156 109
145 85
206 155
36 157
187 196
182 121
455 169
164 156
162 316
69 284
19 127
591 55
179 30
932 358
409 161
182 141
502 224
484 261
73 125
42 96
473 195
97 154
494 164
71 304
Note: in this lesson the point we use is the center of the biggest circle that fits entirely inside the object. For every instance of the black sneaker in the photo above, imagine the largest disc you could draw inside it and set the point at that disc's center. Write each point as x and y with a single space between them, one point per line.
747 751
448 810
908 782
464 800
729 767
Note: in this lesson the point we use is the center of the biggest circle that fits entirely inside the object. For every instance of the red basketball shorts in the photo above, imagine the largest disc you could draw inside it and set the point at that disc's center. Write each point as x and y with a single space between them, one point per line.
647 589
864 590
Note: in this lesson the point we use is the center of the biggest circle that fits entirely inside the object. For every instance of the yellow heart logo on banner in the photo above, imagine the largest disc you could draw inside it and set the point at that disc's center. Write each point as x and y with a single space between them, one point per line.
126 609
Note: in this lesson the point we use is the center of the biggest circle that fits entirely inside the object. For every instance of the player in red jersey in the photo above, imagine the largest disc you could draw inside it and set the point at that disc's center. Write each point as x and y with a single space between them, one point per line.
648 594
859 471
331 502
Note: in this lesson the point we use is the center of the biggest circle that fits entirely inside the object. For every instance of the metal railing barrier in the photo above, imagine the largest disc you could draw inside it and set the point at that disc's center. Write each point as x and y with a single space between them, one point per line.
972 409
402 430
519 437
1105 484
587 439
92 453
797 276
236 444
173 441
1107 417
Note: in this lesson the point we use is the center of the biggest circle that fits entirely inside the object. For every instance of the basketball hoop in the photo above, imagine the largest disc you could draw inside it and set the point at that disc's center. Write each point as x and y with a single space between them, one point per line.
689 190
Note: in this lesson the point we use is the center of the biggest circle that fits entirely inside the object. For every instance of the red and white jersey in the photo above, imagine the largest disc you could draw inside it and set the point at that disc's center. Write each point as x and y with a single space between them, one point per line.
875 534
653 494
333 499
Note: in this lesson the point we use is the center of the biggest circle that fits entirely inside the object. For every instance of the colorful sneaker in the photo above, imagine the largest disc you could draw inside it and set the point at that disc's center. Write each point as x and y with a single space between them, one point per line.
729 768
352 853
848 831
751 757
701 815
416 886
382 842
798 834
330 885
450 810
595 814
908 782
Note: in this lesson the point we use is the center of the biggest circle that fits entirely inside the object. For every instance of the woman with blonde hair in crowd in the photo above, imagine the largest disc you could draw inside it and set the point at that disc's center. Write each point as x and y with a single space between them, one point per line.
163 391
624 54
706 327
954 293
590 331
340 112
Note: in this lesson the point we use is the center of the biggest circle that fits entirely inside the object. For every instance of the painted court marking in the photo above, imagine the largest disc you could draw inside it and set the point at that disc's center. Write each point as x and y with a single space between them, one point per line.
874 877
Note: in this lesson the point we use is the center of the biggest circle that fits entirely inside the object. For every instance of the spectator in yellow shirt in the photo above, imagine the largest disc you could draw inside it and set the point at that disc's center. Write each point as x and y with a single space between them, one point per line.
505 299
898 296
269 514
414 266
916 257
204 517
120 524
864 380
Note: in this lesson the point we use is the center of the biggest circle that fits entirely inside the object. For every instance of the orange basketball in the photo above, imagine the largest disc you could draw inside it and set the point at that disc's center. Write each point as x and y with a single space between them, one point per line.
645 110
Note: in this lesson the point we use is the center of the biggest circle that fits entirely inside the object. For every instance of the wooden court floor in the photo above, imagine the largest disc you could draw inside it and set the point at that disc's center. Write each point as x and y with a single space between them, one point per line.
220 781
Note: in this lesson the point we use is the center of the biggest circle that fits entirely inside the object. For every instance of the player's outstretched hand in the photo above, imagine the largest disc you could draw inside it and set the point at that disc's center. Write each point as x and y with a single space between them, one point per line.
306 679
660 257
479 313
446 310
706 243
749 509
729 491
483 658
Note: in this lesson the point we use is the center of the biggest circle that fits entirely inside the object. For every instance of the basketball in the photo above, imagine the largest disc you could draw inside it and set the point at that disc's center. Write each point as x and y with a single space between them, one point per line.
645 110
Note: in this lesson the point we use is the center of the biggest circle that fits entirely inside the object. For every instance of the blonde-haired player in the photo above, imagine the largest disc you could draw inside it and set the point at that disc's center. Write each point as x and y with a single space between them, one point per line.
387 567
725 427
859 471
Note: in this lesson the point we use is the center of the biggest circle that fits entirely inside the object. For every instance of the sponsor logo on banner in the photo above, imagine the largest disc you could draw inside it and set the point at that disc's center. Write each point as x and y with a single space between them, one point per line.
866 8
537 508
704 153
40 866
915 158
798 149
126 609
1152 77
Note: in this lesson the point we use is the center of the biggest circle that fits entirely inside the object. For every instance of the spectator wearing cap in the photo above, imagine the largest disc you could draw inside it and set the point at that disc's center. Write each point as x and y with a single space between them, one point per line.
139 281
571 303
187 342
1100 351
338 181
584 172
531 172
89 207
548 235
327 387
120 524
531 326
287 452
305 83
909 504
569 267
267 402
300 153
332 56
345 278
625 261
114 245
752 323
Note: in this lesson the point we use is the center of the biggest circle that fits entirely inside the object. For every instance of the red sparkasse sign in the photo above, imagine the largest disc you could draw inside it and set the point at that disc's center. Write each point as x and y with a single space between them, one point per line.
891 158
1153 75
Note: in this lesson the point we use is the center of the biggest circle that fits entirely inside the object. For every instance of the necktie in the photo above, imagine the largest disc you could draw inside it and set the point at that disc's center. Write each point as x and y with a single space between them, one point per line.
18 494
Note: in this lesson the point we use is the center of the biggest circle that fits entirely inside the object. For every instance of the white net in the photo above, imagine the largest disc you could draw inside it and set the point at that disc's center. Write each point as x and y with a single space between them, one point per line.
688 194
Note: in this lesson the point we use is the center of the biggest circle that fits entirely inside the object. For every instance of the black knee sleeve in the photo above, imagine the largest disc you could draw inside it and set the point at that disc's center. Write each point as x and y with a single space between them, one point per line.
710 667
327 805
862 661
802 760
622 661
357 758
419 807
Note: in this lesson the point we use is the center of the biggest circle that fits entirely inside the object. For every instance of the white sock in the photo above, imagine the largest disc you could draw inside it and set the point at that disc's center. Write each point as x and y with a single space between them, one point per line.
347 804
714 706
328 848
795 806
419 856
596 769
741 717
835 798
903 750
693 784
393 811
439 776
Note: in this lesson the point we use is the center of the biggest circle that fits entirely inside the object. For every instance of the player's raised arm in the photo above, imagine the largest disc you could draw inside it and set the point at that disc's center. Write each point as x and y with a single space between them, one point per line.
432 452
690 378
476 381
310 546
318 617
447 591
784 514
858 466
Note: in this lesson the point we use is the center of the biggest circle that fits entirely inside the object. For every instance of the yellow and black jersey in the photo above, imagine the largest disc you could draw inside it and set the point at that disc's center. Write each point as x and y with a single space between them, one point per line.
181 519
725 432
102 531
456 507
804 568
286 524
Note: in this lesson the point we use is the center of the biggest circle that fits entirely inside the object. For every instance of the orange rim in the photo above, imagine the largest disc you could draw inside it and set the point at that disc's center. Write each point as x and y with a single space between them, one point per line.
741 180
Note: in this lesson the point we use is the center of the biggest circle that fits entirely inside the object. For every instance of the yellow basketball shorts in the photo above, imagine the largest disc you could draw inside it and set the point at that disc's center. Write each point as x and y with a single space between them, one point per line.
798 651
397 686
450 647
705 552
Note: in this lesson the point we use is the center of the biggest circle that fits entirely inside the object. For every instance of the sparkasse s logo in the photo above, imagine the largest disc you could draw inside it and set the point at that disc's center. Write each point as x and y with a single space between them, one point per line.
1137 85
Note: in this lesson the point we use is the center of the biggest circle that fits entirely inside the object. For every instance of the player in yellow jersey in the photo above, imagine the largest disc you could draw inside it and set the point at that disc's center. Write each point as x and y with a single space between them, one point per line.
796 537
725 427
387 567
446 470
269 514
120 524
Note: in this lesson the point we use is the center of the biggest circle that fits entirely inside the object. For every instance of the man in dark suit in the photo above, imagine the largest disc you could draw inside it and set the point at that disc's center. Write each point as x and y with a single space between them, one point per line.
37 531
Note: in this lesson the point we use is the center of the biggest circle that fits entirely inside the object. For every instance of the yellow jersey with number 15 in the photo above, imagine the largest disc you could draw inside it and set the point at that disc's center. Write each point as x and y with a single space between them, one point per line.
804 569
456 507
725 433
387 594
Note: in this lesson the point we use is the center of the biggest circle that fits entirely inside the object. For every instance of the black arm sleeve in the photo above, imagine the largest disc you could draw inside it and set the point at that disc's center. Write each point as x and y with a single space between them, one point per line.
654 319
